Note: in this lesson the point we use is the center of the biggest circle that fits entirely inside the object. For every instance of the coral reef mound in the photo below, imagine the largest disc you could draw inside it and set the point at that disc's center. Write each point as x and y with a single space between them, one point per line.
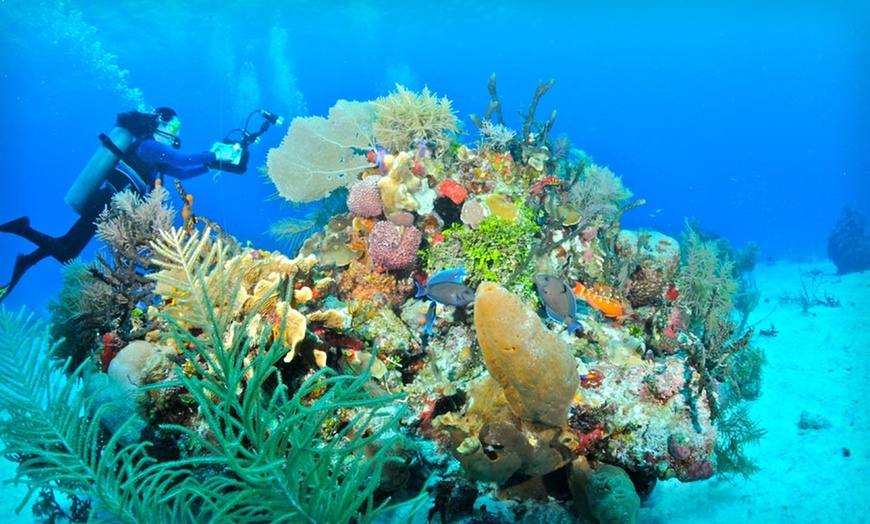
849 243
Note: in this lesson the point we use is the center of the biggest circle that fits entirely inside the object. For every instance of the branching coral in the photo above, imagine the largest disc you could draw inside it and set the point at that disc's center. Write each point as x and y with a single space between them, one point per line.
495 137
130 223
405 118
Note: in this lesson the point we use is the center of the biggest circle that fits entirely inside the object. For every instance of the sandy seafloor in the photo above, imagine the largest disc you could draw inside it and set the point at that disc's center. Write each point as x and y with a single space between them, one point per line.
818 363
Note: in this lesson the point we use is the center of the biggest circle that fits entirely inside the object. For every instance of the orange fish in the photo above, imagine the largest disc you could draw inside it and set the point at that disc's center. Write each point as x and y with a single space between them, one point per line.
602 298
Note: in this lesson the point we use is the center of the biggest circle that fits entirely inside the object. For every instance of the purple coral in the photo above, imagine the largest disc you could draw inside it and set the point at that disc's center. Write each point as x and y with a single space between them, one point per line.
392 246
364 198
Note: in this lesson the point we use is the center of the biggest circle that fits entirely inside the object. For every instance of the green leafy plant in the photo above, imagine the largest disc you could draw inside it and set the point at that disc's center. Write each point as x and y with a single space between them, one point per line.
492 251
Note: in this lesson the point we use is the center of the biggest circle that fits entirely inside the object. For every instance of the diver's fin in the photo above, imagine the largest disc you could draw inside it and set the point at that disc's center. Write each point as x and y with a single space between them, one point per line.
4 291
17 226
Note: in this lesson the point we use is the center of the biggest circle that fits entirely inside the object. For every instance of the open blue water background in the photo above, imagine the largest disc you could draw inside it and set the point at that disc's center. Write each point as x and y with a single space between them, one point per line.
751 117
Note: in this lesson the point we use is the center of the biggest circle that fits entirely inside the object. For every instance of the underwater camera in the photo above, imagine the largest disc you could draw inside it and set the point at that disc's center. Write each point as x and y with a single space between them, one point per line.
239 162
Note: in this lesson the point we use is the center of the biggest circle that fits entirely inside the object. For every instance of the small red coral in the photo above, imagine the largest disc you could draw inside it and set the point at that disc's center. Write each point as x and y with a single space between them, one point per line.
701 470
111 345
453 190
678 447
587 440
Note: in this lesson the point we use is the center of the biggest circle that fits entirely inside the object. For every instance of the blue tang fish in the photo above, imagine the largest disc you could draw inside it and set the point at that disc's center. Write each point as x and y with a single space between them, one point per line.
444 287
559 300
448 275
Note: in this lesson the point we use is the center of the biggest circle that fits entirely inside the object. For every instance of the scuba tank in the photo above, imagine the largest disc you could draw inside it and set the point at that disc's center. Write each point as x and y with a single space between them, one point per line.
98 168
130 125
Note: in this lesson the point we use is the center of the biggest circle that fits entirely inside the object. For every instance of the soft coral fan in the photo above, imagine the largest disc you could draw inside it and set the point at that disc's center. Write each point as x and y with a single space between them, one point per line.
319 155
598 192
129 223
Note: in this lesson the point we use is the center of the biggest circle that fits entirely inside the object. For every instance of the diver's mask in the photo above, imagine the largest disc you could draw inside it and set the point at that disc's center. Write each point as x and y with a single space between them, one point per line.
169 130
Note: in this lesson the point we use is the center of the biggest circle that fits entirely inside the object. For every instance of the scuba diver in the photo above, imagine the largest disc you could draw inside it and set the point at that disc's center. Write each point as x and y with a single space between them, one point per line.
138 152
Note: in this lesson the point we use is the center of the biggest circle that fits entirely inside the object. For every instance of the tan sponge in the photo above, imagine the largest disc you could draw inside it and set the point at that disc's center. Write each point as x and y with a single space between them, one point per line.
533 365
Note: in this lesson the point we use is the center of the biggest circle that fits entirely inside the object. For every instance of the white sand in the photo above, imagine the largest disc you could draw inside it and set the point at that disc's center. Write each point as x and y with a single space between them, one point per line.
819 363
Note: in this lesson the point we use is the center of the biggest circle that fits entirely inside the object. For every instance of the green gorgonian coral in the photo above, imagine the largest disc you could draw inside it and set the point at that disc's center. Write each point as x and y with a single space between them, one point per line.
707 287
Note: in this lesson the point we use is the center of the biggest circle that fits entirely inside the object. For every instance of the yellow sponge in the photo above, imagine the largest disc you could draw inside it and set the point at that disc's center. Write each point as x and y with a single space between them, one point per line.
533 365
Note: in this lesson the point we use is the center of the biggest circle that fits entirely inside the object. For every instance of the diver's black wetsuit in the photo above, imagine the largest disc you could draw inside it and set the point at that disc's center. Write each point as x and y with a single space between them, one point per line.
138 172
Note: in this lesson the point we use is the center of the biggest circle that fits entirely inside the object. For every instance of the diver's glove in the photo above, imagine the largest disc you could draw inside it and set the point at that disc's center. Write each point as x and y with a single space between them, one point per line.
223 152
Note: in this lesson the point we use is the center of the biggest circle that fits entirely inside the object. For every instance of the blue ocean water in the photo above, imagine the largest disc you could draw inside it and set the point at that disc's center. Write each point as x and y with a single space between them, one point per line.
751 118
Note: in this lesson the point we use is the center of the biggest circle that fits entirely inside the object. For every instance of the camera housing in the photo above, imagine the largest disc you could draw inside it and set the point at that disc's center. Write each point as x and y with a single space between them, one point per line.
239 164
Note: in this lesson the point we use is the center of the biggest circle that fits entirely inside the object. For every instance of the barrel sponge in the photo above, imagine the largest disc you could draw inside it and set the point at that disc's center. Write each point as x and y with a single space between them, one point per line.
533 365
605 493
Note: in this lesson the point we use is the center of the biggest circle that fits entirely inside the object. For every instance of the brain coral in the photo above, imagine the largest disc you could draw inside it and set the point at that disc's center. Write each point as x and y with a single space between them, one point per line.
364 198
393 246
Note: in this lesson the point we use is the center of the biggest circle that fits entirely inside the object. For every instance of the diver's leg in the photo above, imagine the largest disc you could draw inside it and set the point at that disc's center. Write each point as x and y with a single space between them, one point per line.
71 244
37 237
22 264
64 248
68 246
